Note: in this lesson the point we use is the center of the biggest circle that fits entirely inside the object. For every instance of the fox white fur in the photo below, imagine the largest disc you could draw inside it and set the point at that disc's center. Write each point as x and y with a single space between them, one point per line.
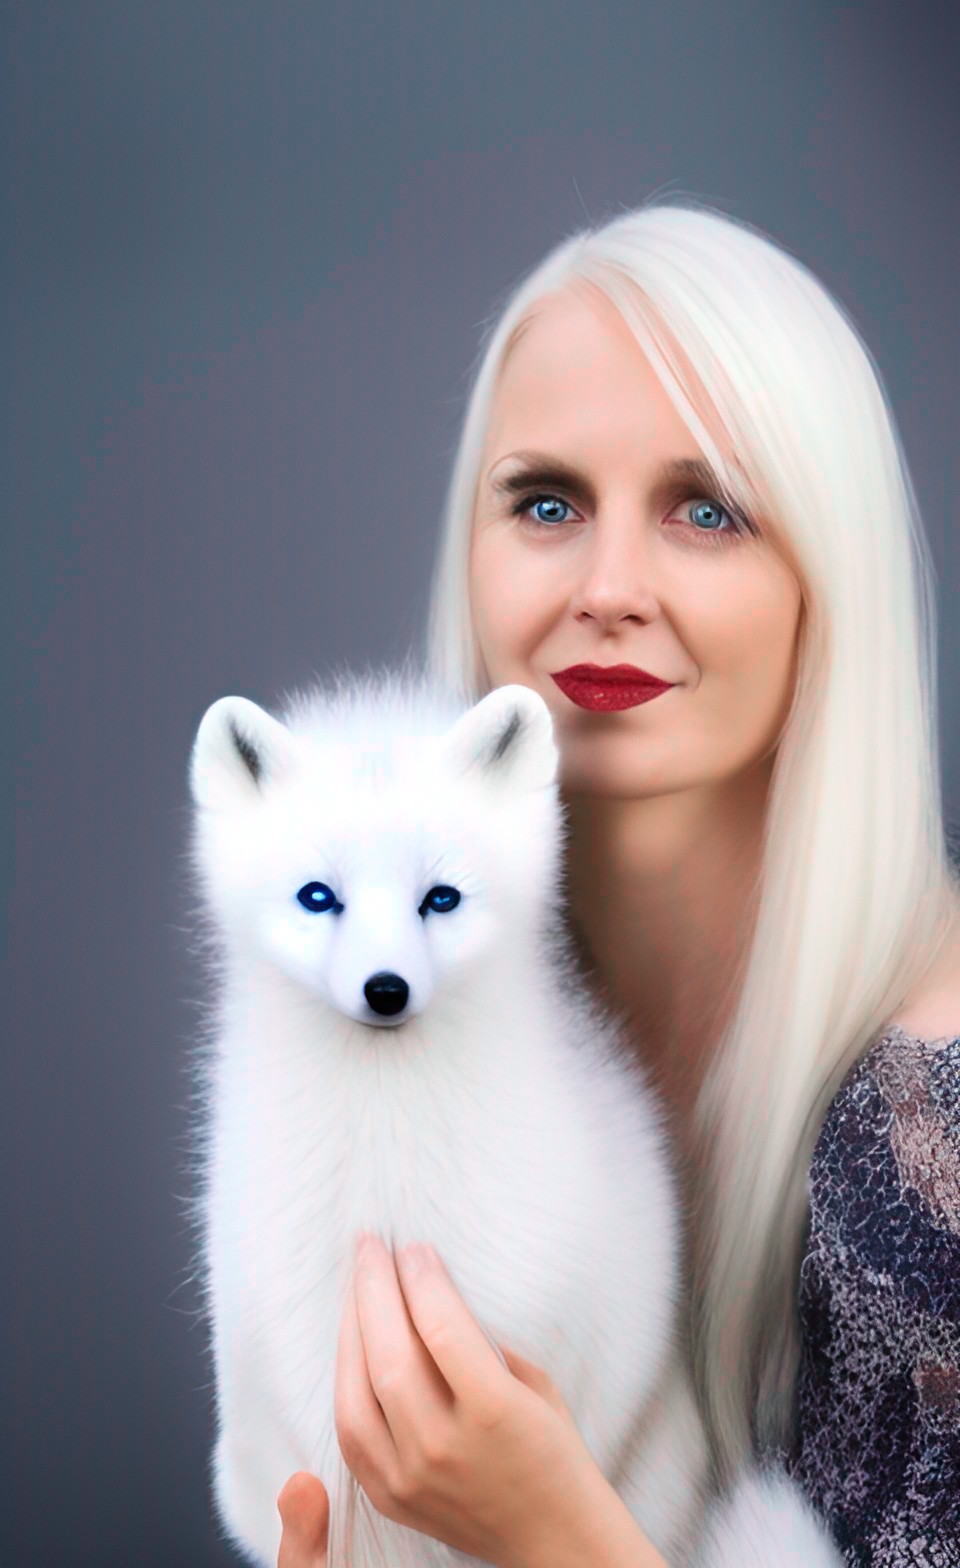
496 1113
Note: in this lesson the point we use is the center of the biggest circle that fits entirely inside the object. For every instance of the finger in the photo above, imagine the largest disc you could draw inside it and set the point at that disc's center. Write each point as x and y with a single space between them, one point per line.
527 1371
362 1429
457 1344
304 1512
536 1378
405 1381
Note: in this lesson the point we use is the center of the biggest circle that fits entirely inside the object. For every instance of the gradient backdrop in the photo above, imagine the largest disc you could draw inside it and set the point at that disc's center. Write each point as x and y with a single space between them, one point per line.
251 249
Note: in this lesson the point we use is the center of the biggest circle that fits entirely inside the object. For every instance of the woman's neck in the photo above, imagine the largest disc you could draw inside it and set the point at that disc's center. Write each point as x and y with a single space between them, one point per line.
661 897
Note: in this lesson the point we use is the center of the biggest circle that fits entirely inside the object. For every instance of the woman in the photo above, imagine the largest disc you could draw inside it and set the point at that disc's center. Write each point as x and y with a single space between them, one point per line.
678 455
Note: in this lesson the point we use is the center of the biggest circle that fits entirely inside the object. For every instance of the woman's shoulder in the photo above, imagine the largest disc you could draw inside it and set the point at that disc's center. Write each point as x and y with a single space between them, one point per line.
904 1082
910 1078
885 1176
895 1122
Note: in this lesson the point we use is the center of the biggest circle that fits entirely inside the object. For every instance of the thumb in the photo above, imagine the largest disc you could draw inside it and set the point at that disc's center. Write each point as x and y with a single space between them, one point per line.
304 1509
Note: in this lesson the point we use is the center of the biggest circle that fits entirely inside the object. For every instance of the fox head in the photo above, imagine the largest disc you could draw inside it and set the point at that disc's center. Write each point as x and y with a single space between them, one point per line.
376 846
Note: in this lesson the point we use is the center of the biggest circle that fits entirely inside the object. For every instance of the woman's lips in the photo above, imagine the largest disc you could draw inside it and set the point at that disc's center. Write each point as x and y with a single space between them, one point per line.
608 694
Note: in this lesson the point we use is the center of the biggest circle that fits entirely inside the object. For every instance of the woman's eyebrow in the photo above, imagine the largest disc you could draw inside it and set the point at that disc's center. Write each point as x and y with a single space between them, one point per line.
540 469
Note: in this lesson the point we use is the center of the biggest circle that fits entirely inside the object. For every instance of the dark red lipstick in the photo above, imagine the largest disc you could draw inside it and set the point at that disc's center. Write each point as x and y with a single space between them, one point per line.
607 688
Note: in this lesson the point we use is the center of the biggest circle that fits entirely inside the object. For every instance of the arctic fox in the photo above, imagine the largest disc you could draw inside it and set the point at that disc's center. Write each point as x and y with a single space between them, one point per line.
402 1043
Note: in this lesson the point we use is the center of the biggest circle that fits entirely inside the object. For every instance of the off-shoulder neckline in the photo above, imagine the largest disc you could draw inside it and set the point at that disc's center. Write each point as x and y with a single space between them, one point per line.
917 1039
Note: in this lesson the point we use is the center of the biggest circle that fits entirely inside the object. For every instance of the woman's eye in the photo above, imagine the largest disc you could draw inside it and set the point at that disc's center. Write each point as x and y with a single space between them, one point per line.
704 516
525 504
548 502
709 522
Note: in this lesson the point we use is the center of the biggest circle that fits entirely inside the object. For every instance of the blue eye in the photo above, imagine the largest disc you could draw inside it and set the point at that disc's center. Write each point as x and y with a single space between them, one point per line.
737 524
717 511
318 898
441 899
549 500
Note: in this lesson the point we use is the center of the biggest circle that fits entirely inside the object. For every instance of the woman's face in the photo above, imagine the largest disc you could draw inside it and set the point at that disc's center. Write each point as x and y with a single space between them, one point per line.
623 567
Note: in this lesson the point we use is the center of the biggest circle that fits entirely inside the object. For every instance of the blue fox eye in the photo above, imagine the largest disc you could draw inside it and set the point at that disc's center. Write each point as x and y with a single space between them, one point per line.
318 898
441 899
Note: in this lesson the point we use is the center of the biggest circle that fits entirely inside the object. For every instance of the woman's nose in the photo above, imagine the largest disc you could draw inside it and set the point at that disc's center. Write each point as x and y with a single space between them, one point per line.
617 578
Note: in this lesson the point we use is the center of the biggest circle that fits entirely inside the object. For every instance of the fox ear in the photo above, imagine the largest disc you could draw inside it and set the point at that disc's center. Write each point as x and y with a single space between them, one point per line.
507 737
238 748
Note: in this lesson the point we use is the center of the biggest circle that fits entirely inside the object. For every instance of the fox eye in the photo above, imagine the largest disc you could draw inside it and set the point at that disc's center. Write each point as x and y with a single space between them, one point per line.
318 898
441 899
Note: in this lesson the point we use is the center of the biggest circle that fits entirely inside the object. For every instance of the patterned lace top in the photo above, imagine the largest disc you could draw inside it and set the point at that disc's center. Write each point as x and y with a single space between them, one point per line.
878 1415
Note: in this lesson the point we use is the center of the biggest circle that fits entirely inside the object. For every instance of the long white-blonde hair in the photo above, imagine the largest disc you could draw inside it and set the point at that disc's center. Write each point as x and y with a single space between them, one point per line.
858 889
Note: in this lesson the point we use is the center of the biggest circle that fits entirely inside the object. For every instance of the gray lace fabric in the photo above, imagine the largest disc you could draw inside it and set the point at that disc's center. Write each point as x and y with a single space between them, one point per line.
877 1437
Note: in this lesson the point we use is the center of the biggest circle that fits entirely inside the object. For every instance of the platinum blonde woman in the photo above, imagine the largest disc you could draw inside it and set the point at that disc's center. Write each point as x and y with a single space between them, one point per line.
678 455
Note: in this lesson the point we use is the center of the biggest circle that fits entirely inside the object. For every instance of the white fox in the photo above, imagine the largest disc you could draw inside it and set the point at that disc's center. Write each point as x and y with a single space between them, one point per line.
402 1043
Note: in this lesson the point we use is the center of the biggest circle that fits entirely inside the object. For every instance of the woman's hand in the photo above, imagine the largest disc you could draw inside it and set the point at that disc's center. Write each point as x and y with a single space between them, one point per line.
439 1434
305 1511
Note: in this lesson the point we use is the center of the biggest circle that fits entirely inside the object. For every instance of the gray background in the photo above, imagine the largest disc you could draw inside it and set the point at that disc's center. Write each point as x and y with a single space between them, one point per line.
251 250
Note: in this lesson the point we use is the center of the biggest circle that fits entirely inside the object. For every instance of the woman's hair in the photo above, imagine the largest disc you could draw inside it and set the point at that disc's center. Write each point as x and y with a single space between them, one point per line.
857 891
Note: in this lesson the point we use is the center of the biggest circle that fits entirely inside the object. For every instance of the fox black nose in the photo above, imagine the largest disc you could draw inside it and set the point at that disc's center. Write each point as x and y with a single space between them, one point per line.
387 993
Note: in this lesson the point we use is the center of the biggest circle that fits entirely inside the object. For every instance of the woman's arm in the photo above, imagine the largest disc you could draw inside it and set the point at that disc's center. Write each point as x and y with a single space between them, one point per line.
879 1387
600 1529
